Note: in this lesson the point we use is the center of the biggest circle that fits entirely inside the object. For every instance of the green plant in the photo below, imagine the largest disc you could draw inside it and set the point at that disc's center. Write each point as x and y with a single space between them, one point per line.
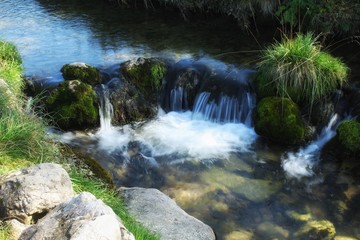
297 68
10 66
348 133
330 16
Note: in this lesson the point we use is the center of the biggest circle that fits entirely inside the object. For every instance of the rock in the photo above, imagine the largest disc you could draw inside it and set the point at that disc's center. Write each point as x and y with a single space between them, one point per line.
83 72
316 230
73 105
298 216
269 230
348 134
128 103
160 214
279 120
82 218
15 228
240 235
146 74
28 194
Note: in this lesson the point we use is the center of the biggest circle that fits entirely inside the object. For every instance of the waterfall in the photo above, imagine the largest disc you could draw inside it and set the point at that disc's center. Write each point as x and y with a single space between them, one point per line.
105 109
300 164
228 109
178 99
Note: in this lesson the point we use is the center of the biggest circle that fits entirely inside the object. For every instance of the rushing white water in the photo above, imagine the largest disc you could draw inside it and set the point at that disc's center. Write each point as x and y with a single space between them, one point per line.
180 133
227 109
106 110
301 163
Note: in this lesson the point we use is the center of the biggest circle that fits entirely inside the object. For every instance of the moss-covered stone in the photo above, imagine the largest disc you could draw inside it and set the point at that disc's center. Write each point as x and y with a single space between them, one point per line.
73 105
316 230
146 74
348 134
262 87
279 120
82 72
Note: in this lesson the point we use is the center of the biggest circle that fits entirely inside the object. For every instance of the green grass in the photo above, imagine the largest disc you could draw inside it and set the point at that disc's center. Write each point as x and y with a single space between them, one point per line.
298 68
10 66
109 197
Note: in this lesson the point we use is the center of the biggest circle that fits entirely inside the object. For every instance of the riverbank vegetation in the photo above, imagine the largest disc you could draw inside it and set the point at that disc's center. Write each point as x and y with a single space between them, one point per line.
299 69
332 16
24 142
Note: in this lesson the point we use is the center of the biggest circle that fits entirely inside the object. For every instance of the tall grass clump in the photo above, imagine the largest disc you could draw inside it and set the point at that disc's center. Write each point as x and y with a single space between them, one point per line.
11 66
297 68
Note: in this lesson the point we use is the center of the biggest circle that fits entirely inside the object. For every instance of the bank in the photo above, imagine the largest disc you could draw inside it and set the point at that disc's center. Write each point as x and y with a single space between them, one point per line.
24 142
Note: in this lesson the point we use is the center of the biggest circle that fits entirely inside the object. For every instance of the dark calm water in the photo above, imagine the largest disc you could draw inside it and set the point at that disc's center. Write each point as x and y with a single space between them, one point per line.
242 195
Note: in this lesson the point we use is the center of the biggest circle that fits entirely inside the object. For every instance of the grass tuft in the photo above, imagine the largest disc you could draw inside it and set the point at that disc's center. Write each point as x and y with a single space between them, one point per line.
298 68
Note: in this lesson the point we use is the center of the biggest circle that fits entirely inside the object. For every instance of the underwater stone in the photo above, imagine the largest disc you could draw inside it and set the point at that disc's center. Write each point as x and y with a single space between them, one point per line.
81 71
73 105
316 230
279 120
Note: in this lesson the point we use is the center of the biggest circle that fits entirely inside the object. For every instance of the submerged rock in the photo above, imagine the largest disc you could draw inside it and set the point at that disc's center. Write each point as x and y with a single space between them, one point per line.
316 230
146 74
279 120
82 217
73 105
28 194
81 71
159 213
269 230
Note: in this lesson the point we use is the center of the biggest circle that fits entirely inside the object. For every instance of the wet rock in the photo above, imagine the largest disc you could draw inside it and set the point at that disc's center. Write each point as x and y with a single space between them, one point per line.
146 74
348 134
269 230
161 215
82 217
28 194
82 72
240 234
73 105
316 230
298 216
129 104
279 120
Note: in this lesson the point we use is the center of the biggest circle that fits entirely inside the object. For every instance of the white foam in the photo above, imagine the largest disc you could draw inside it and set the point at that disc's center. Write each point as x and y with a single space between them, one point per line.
178 133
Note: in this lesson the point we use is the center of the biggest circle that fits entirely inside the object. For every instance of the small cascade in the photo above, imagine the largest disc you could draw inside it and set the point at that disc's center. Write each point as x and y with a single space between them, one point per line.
228 109
105 109
300 164
178 99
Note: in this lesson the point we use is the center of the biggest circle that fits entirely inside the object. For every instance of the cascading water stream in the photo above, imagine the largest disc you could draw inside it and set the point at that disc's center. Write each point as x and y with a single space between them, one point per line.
105 109
301 163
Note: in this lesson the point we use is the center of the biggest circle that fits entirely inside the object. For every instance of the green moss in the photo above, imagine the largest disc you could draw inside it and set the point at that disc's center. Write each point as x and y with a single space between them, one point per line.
279 120
297 68
316 230
146 74
82 72
348 134
73 105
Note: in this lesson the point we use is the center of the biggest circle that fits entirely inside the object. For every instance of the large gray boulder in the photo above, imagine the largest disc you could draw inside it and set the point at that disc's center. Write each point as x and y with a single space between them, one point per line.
81 218
159 213
28 194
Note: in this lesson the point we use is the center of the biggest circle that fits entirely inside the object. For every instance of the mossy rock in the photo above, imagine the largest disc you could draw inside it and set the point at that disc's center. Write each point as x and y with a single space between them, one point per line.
348 134
83 72
316 230
146 74
279 120
263 88
73 105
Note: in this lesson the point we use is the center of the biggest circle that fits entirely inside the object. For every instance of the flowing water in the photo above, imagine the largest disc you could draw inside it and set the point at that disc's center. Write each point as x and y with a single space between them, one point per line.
206 156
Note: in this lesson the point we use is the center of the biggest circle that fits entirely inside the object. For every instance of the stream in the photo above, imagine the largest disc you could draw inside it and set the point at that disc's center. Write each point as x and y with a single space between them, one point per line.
208 158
